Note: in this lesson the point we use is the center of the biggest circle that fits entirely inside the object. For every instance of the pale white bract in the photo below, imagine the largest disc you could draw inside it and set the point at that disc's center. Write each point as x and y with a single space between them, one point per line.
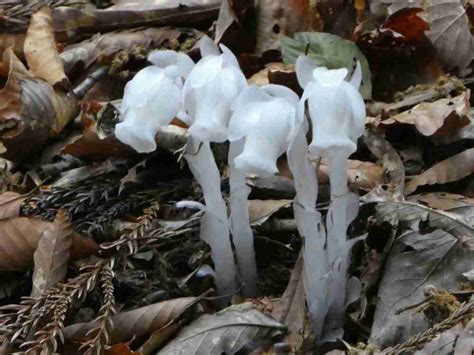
210 90
266 117
152 99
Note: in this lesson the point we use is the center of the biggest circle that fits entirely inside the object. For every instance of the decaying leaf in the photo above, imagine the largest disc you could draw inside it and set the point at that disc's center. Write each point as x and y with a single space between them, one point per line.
31 110
409 215
19 238
329 51
52 254
40 49
103 47
448 29
14 40
444 201
291 308
138 322
416 261
10 203
277 19
440 117
228 331
261 210
452 169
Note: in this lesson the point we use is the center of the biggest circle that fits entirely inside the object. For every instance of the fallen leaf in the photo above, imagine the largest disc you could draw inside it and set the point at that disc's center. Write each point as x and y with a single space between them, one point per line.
103 47
291 307
261 210
452 169
441 117
52 254
10 203
228 331
14 40
330 51
40 49
31 110
415 261
277 19
137 322
121 349
19 238
443 200
408 23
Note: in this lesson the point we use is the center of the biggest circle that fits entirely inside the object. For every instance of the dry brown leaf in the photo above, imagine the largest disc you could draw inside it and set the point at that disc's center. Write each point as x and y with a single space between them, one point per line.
121 349
452 169
52 254
440 117
31 110
40 49
138 322
363 174
19 239
10 203
261 210
11 40
291 308
442 200
103 47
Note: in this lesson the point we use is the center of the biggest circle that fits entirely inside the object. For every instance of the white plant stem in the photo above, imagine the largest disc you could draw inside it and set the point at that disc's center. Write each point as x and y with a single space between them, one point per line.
215 223
240 223
308 220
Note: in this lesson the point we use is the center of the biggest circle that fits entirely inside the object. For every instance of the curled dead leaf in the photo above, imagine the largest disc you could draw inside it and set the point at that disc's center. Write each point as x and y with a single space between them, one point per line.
138 322
441 117
452 169
10 203
19 238
52 254
40 49
31 110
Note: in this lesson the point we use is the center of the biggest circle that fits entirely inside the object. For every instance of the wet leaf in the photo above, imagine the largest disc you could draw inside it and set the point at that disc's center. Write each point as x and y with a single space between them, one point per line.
416 261
40 49
10 203
31 110
228 331
52 255
452 169
137 322
19 238
441 117
329 51
121 349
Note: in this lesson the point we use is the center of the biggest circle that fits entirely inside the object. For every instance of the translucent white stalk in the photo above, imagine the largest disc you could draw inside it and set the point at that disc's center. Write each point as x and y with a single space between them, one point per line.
239 223
214 223
310 227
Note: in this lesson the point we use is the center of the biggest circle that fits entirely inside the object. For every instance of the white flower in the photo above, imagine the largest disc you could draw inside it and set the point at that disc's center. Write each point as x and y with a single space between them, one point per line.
210 90
336 108
266 117
152 99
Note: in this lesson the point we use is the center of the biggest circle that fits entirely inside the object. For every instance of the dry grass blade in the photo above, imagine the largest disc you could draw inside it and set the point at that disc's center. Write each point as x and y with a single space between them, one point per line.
40 49
452 169
52 255
138 322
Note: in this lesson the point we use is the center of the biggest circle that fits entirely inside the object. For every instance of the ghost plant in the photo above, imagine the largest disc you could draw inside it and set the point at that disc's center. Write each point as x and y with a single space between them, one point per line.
208 93
152 99
337 113
260 130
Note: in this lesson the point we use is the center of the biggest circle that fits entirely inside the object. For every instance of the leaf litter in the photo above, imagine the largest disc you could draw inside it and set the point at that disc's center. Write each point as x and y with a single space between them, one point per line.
103 251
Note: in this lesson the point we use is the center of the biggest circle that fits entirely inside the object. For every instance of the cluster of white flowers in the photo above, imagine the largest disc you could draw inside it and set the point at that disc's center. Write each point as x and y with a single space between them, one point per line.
261 123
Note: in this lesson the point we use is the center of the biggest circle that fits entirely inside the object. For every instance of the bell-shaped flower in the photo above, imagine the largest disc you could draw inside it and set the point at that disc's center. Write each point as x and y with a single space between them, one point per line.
152 99
336 108
266 117
209 91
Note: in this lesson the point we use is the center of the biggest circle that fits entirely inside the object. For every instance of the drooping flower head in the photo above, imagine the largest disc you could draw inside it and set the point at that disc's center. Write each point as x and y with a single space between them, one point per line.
210 90
152 99
266 117
336 107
